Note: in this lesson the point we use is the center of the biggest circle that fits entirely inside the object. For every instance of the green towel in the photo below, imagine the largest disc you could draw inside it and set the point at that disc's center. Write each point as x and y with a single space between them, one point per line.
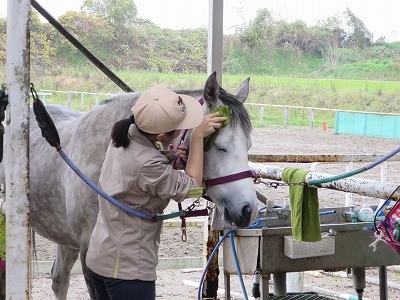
224 111
304 207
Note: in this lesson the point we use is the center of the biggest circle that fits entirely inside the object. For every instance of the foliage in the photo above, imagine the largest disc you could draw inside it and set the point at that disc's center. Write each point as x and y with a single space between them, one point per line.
3 26
120 13
359 36
340 46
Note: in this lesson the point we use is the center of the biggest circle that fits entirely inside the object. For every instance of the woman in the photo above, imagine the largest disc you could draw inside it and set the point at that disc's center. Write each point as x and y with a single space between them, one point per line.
123 249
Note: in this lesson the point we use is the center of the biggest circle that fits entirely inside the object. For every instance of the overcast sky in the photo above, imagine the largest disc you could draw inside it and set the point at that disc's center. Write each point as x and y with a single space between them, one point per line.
382 17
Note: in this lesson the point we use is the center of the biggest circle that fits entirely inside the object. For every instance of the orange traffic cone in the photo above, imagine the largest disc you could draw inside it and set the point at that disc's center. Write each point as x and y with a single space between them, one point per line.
324 128
90 106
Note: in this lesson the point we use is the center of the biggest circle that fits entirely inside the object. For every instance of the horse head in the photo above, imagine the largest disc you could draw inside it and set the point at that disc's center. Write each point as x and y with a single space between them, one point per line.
236 198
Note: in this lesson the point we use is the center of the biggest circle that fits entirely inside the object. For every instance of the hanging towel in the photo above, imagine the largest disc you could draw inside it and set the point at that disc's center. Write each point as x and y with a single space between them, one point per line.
304 207
224 111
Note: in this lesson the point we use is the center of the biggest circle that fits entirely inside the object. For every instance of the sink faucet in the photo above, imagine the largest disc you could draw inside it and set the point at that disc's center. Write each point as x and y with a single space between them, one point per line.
350 215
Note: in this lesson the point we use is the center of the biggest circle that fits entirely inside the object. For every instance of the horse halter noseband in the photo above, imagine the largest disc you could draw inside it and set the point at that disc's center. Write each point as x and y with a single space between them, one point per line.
230 178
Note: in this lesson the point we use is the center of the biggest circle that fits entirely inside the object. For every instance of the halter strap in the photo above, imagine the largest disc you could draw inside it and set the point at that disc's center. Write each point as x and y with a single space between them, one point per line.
230 178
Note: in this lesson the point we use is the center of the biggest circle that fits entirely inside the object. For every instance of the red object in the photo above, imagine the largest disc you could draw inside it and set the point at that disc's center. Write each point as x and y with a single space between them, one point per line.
386 227
324 128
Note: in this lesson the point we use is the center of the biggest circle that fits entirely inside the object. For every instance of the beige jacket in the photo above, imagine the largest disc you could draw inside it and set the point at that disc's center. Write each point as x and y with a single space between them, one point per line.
139 176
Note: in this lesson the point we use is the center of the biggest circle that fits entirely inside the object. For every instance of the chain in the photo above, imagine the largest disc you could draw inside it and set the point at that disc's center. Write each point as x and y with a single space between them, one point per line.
196 203
276 184
191 207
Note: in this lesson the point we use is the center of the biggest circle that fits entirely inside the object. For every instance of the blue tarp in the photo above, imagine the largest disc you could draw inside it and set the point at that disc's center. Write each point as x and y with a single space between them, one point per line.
368 124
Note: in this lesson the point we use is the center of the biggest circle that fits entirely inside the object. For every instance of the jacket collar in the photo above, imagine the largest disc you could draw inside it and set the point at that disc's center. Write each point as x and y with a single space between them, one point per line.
138 137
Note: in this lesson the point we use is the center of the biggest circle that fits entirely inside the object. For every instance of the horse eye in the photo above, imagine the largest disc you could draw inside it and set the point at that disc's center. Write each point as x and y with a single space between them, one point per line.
221 149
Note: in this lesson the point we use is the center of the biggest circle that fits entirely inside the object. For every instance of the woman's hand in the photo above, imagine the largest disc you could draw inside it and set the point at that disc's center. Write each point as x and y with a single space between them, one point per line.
210 123
183 154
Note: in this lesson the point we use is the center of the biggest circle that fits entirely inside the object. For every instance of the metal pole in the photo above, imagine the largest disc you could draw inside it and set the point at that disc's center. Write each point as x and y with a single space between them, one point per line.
215 38
214 64
17 151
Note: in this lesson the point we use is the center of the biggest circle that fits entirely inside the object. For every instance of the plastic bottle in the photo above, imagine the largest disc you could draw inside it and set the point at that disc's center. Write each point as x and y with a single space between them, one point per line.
380 209
366 214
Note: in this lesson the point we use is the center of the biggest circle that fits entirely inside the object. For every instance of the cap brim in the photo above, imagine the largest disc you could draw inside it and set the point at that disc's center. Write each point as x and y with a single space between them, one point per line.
194 113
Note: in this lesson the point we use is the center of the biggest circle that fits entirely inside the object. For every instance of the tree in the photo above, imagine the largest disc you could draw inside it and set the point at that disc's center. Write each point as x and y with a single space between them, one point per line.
92 31
359 36
42 49
120 13
332 37
260 31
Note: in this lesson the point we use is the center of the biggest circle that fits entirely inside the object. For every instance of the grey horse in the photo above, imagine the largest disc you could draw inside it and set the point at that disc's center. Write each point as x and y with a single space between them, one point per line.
64 209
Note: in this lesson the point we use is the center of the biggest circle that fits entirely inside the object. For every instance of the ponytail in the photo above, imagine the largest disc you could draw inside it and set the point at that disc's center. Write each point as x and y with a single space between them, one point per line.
119 132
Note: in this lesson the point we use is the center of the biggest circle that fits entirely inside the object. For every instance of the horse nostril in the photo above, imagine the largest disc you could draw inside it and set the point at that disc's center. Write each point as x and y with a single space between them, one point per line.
240 220
244 218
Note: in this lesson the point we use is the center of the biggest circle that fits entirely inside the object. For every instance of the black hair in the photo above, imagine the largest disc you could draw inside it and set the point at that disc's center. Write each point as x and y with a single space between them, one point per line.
119 132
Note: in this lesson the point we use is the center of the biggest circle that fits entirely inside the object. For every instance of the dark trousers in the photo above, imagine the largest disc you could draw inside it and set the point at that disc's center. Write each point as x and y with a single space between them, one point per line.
118 289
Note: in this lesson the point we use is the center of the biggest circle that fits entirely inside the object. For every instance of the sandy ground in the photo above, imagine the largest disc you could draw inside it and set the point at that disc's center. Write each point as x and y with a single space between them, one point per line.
182 284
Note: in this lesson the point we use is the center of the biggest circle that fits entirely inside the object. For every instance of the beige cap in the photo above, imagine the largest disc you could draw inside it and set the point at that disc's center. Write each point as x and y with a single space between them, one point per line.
161 110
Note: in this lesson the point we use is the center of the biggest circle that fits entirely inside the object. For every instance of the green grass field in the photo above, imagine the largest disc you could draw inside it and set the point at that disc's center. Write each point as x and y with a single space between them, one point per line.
360 95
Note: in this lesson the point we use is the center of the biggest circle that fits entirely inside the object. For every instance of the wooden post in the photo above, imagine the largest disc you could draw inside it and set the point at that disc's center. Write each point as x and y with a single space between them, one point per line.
311 118
285 116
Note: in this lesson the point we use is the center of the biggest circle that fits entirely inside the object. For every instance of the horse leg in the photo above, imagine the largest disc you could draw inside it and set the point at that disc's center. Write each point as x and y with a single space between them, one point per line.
60 272
86 274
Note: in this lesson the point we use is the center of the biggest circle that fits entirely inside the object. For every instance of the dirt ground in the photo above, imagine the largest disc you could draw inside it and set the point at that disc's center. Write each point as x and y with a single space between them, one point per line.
182 284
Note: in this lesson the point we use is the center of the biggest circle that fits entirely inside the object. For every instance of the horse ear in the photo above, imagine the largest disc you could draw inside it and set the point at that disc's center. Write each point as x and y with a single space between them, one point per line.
243 91
211 88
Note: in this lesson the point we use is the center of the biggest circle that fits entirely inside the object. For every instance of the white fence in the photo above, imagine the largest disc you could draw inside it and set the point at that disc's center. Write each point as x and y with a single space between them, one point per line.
83 96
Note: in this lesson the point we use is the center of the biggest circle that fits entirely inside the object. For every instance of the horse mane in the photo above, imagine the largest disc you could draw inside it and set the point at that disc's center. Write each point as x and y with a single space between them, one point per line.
239 111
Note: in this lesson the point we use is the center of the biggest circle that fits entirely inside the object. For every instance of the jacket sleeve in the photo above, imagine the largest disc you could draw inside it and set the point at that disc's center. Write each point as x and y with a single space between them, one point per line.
158 178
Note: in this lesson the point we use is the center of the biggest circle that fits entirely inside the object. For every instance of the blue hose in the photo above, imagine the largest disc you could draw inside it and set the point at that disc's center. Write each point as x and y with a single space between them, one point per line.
101 192
229 233
355 172
210 260
236 260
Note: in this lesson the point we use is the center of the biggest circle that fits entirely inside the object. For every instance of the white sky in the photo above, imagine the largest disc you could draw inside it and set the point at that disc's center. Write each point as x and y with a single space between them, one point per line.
382 17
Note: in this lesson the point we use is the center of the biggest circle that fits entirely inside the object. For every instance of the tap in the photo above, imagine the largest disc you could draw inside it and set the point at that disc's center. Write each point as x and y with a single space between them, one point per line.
351 214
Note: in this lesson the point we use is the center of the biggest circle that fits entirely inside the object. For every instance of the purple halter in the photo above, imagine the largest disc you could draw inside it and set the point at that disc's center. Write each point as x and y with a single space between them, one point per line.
230 178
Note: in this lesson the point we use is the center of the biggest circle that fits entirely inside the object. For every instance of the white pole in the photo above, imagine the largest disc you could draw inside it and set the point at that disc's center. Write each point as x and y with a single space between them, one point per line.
17 151
214 63
215 38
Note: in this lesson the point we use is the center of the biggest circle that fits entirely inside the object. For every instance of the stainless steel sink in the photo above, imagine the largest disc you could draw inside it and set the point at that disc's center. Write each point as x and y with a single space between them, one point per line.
266 245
